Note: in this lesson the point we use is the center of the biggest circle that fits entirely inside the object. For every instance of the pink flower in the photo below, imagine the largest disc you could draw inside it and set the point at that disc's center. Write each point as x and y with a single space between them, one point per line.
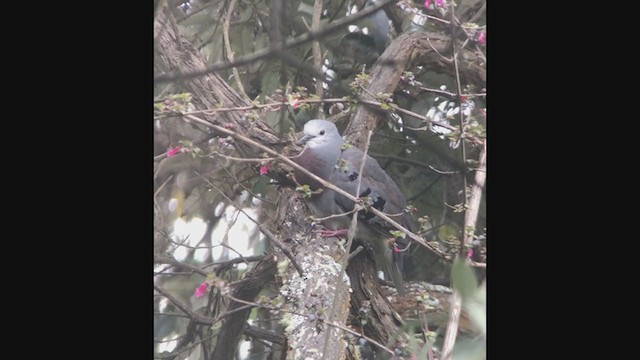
427 3
295 103
482 38
173 151
201 289
264 169
470 253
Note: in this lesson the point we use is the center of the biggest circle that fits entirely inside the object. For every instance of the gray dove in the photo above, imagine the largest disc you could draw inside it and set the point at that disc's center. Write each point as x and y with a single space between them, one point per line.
326 155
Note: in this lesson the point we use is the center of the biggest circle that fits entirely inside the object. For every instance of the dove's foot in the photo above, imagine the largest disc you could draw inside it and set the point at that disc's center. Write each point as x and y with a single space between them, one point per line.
332 233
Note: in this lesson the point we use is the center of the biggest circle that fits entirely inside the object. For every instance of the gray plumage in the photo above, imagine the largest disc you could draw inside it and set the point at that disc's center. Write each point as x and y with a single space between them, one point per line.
325 156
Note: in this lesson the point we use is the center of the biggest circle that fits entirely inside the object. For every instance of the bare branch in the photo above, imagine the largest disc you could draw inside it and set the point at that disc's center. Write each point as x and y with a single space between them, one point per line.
174 262
317 55
227 45
470 218
233 327
263 229
262 54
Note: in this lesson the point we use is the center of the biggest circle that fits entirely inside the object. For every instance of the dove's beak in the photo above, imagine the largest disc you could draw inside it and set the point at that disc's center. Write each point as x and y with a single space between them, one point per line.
303 140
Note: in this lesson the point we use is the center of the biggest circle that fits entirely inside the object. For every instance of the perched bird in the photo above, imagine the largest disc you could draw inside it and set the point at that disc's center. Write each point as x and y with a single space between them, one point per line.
326 156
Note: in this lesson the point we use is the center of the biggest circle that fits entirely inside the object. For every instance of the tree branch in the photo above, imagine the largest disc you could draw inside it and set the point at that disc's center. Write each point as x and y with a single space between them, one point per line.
234 325
227 45
317 55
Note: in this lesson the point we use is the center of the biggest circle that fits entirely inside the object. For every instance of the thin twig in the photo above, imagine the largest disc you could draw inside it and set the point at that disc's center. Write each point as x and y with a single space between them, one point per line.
174 262
334 100
243 159
227 45
241 183
437 91
350 235
450 93
425 331
339 326
162 186
336 215
436 50
443 172
317 55
176 302
263 229
456 302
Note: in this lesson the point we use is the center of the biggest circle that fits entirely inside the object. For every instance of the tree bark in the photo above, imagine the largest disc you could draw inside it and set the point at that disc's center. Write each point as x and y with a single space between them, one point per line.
410 49
317 297
247 289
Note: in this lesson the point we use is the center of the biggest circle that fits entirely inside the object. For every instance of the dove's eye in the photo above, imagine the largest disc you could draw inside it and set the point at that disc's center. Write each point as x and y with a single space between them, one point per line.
321 132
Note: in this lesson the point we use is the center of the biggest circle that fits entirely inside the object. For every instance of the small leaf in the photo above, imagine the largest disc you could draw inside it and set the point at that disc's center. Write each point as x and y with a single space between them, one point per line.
463 278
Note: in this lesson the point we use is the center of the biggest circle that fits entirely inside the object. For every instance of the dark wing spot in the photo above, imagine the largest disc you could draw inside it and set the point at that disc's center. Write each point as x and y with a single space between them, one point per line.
367 215
379 203
353 176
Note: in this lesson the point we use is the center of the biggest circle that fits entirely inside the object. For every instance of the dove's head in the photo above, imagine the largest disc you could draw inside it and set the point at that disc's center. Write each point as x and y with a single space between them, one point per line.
318 133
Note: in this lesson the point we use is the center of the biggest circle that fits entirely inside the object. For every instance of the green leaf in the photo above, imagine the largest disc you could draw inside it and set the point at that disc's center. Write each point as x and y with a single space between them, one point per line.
260 187
271 79
463 278
306 190
423 354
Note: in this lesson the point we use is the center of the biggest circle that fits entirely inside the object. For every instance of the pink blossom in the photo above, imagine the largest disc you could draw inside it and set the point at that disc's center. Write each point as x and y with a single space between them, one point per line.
295 103
439 3
482 38
264 169
470 253
201 289
173 151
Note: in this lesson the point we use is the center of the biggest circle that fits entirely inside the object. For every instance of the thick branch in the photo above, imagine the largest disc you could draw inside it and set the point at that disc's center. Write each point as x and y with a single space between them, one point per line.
410 49
233 327
175 53
471 216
